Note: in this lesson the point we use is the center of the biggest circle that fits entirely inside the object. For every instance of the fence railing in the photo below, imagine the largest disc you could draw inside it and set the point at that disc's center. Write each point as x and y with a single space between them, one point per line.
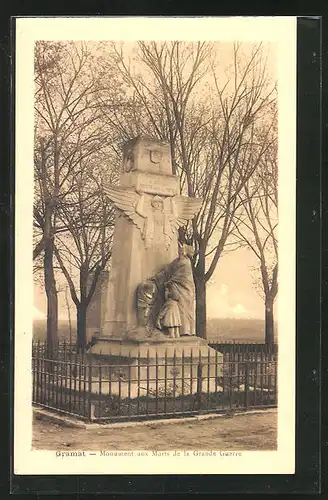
232 350
241 351
149 386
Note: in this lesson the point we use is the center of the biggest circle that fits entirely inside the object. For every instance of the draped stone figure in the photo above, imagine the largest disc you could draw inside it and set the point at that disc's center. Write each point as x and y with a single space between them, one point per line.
178 276
169 318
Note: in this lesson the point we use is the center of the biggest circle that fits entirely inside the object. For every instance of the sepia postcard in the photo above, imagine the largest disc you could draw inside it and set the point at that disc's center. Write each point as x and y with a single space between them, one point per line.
154 329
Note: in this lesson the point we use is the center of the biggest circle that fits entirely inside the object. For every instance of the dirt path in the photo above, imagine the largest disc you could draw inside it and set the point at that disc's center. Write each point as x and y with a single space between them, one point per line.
240 432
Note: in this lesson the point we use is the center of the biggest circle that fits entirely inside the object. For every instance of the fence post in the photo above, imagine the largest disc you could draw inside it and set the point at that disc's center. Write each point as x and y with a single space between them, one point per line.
246 385
199 385
91 410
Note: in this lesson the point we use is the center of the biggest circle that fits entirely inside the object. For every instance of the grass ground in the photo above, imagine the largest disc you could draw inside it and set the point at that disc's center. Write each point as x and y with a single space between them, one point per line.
240 433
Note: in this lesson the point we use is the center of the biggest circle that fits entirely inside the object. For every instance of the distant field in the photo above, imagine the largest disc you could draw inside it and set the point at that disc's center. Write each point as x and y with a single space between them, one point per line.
40 326
222 329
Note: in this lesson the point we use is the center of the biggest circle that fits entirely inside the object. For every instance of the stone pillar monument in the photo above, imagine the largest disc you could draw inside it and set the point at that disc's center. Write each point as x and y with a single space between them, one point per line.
149 299
97 307
142 244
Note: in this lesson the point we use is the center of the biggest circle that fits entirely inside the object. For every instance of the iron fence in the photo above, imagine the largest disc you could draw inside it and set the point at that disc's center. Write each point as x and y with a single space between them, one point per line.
231 350
242 351
149 386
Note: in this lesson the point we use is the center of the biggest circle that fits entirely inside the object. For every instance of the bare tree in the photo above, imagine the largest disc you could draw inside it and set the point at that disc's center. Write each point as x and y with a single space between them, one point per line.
69 81
257 226
178 94
86 245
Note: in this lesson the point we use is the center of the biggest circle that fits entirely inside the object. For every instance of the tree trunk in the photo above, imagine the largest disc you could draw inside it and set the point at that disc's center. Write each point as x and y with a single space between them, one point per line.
269 322
81 327
200 286
52 298
69 317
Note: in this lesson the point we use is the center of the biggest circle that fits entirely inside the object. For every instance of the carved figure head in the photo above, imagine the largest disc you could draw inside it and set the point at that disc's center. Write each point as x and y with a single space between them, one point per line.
157 203
149 289
145 300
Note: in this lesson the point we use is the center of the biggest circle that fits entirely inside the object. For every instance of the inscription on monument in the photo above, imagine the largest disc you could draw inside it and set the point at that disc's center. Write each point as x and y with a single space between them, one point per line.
163 185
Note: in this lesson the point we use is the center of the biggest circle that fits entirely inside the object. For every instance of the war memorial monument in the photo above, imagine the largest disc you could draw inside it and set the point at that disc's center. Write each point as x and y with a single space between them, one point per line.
146 309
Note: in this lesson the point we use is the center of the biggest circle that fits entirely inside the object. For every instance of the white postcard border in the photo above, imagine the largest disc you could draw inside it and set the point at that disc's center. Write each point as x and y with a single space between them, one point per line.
282 31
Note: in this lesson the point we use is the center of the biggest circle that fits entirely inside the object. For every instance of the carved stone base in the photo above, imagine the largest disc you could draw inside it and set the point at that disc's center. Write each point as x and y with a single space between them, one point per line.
155 364
156 341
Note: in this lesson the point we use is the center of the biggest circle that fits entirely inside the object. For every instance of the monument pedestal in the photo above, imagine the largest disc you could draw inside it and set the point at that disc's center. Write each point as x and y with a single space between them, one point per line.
149 367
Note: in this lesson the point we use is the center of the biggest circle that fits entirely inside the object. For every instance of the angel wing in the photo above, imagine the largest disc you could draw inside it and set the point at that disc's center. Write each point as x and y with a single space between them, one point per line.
178 210
126 201
185 208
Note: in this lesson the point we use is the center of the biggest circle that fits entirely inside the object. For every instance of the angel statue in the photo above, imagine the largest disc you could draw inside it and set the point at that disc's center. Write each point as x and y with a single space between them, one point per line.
158 218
